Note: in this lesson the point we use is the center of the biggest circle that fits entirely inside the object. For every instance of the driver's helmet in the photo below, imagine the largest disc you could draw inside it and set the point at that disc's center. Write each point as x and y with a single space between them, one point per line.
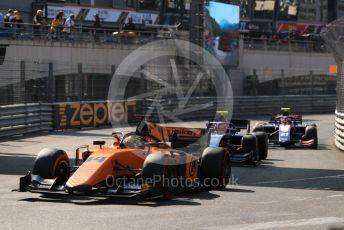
134 141
221 116
284 120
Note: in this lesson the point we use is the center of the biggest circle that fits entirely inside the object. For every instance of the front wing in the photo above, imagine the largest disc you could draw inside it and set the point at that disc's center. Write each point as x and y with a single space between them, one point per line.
36 184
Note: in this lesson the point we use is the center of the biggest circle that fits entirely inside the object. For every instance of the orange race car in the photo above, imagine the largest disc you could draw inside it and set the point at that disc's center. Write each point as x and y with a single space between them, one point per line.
140 163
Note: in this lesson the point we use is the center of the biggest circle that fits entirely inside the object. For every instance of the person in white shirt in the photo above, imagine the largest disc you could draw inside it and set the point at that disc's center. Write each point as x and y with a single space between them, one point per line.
68 25
8 18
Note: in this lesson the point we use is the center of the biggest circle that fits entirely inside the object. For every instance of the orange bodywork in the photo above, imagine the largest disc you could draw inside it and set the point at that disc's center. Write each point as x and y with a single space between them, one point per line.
113 161
101 163
163 132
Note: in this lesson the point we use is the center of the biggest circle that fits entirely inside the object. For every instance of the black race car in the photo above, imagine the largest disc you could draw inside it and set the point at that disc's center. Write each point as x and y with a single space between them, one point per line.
244 147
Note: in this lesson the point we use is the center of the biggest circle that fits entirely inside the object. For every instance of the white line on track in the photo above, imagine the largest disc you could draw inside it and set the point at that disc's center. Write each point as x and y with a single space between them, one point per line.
335 196
296 180
284 224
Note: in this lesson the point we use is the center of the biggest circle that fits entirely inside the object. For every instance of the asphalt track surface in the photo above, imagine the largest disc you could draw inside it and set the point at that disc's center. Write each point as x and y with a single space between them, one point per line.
293 189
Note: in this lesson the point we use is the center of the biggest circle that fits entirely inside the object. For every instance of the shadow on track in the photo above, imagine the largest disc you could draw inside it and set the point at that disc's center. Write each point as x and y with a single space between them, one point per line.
16 163
186 198
321 147
92 202
28 138
268 175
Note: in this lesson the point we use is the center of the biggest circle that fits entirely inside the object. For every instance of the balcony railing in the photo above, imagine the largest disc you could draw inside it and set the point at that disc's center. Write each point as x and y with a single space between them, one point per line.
27 31
285 45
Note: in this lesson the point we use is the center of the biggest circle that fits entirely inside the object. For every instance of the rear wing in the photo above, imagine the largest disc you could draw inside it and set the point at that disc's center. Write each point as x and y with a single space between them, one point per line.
164 133
295 116
242 124
238 125
185 134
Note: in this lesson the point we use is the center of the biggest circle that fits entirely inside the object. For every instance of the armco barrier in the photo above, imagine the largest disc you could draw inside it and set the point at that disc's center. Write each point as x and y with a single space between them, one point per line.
29 118
247 106
339 130
25 118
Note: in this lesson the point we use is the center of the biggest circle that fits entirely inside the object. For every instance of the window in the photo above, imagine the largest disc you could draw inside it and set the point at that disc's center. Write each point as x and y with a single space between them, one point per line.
85 2
103 3
245 9
79 2
72 1
123 3
288 10
324 11
313 11
264 9
307 10
340 8
153 4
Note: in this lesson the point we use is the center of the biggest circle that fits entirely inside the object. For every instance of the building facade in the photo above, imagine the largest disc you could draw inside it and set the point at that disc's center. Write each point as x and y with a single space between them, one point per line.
263 15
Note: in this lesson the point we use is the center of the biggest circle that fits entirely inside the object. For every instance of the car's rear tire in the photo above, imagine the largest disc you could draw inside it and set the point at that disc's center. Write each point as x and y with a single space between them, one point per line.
249 145
262 142
215 167
51 164
159 171
311 133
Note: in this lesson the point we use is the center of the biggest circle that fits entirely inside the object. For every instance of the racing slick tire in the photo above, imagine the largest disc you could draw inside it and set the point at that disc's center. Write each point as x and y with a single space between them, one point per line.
160 172
249 145
259 127
311 133
51 164
215 167
262 142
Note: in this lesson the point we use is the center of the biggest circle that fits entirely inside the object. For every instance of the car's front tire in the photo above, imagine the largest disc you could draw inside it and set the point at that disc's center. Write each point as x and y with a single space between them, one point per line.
312 134
215 167
249 145
262 142
159 171
51 164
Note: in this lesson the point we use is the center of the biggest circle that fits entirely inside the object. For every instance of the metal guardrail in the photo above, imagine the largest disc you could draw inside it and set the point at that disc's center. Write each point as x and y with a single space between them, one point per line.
339 130
25 118
263 105
247 106
30 118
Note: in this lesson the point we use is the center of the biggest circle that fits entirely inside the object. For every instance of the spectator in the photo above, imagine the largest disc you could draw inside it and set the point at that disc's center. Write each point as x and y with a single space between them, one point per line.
38 21
56 25
68 26
96 23
96 27
8 17
17 21
130 25
1 20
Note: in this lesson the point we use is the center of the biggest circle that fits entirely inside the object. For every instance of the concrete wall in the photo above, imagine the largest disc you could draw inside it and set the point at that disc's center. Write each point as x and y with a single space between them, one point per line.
266 64
64 56
269 65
